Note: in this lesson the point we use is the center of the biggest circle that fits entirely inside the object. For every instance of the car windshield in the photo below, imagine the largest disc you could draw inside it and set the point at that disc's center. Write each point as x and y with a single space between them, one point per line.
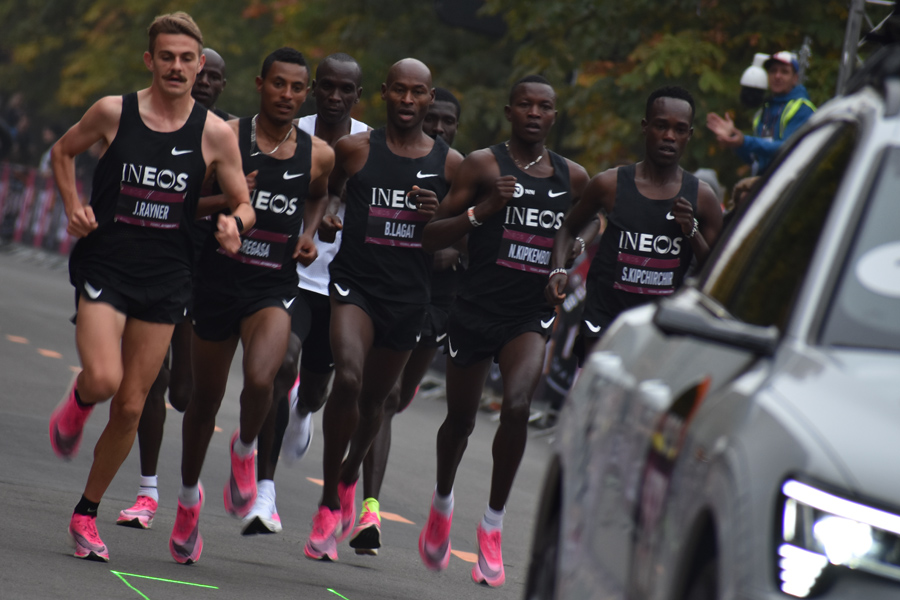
865 310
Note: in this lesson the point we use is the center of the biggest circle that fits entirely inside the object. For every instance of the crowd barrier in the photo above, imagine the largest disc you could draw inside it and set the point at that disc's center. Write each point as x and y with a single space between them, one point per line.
31 210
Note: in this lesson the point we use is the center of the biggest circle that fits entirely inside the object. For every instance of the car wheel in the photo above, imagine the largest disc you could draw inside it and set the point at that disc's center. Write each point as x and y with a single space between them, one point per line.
705 585
541 582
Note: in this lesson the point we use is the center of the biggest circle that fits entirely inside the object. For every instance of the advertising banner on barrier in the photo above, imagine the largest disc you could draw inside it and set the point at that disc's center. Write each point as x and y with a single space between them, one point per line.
31 210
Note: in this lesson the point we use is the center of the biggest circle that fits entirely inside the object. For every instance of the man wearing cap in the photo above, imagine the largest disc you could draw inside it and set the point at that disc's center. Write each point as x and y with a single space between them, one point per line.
780 116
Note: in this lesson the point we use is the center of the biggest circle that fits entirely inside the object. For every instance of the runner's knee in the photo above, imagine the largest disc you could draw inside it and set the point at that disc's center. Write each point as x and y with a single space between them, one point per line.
392 402
313 390
347 384
515 413
99 383
461 426
126 414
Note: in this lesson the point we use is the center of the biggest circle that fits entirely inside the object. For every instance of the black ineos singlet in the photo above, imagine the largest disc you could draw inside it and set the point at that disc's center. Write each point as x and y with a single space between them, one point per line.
144 197
643 253
509 254
265 264
381 250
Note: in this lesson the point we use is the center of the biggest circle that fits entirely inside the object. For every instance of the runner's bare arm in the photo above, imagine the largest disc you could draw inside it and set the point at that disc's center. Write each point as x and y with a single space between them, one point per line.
350 155
220 149
99 124
316 202
451 221
213 203
599 194
579 178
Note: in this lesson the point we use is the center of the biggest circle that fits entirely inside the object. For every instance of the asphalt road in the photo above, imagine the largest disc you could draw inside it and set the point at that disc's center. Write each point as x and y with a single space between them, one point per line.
39 491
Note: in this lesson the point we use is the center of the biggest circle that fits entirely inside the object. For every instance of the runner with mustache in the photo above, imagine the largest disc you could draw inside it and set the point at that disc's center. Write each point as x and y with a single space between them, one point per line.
176 373
132 265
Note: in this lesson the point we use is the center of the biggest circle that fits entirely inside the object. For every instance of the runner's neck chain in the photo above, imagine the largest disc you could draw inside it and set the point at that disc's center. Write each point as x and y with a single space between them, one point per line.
526 167
253 143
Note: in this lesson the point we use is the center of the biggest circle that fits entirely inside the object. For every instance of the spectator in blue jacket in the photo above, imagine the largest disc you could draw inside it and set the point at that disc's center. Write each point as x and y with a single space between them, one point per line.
785 111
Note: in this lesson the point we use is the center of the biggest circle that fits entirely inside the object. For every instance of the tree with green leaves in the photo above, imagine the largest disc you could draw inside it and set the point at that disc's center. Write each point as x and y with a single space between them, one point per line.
604 57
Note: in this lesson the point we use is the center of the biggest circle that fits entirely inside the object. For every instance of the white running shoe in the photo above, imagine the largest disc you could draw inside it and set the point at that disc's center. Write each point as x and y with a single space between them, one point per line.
263 517
299 432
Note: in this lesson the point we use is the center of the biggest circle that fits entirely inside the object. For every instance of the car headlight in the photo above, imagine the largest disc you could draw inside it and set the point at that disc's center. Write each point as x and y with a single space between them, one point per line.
821 532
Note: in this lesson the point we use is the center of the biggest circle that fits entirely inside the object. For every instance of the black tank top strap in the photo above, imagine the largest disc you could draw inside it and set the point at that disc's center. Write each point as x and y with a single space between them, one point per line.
244 141
131 115
690 187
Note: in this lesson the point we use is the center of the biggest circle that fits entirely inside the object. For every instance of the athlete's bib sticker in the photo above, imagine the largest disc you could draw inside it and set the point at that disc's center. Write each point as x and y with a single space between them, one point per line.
525 251
261 249
149 208
395 227
643 275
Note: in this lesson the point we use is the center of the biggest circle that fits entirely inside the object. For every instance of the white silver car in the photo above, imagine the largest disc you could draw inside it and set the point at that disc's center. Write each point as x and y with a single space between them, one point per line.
736 440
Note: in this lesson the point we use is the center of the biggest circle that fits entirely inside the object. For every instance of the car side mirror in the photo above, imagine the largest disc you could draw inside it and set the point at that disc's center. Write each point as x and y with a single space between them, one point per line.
680 320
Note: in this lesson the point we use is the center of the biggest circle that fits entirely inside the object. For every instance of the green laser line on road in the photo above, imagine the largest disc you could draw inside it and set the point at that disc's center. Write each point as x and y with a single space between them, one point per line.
122 576
336 594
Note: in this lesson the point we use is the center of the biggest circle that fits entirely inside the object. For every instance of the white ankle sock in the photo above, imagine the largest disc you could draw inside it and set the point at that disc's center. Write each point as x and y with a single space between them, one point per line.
189 496
492 519
267 487
443 504
148 487
242 449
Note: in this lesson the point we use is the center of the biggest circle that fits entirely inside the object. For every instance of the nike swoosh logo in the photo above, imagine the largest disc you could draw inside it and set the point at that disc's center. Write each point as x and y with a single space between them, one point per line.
292 175
592 327
422 175
93 292
440 337
341 290
546 324
670 216
418 337
486 569
177 152
287 304
451 350
555 194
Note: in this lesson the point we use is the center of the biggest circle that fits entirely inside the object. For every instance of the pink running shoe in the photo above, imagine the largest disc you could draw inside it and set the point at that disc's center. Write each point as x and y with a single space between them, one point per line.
367 535
434 541
186 543
322 542
67 425
347 494
240 491
489 566
84 538
140 515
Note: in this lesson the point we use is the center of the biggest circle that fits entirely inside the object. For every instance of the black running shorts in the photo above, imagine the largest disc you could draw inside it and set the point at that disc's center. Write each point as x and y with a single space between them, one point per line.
216 317
311 322
155 304
434 328
474 334
398 325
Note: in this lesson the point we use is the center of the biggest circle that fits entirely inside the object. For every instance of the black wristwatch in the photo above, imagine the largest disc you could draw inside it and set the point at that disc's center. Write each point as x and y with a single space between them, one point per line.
240 224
